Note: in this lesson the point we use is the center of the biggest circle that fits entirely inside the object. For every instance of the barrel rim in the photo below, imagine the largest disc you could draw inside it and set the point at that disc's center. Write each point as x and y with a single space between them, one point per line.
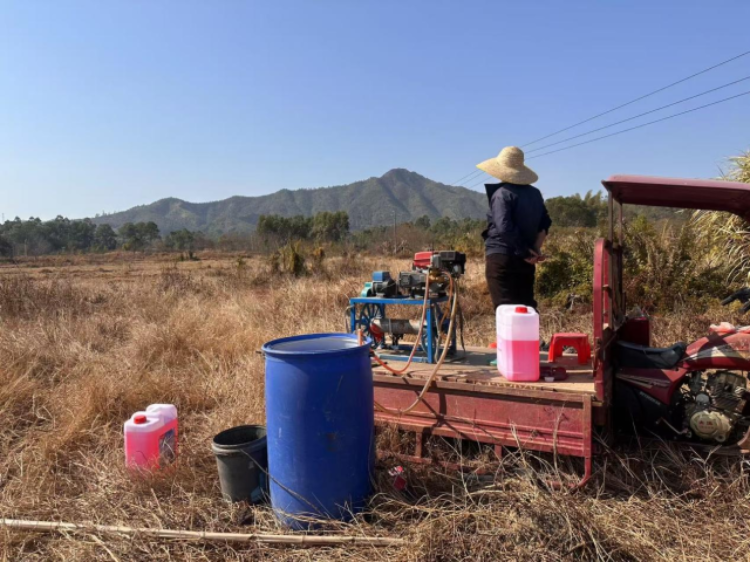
268 346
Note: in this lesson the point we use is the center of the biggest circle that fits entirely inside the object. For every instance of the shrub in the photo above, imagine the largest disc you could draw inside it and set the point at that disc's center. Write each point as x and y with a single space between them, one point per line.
726 237
569 270
318 257
289 260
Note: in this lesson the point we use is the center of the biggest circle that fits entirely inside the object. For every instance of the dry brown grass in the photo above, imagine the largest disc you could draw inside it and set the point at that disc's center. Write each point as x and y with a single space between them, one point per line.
81 349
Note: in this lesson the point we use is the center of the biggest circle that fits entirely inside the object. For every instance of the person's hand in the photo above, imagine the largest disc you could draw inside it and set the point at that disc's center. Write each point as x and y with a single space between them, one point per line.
535 258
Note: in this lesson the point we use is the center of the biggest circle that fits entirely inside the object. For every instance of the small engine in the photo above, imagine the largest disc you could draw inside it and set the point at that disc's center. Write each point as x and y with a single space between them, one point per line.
715 404
429 269
433 275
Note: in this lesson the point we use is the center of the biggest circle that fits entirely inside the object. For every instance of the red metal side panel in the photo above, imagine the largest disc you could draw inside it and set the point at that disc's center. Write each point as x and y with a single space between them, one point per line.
602 291
602 314
537 420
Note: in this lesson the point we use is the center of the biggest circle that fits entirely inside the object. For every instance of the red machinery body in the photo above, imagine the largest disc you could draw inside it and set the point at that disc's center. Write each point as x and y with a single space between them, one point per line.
696 392
422 260
717 351
714 352
660 384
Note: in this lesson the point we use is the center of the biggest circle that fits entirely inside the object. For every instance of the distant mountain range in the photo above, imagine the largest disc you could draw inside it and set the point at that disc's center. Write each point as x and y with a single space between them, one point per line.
369 203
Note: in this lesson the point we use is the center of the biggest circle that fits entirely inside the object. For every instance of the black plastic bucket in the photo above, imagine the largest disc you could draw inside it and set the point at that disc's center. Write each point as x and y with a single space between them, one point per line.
242 459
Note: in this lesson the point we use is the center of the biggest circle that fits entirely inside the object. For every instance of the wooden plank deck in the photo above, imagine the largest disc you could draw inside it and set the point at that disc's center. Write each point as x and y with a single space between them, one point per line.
474 368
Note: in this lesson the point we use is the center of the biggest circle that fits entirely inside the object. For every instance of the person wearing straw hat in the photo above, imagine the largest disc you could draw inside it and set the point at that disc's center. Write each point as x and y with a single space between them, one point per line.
517 224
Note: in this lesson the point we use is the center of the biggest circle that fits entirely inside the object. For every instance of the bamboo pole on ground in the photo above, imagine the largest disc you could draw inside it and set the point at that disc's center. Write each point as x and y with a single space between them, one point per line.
206 536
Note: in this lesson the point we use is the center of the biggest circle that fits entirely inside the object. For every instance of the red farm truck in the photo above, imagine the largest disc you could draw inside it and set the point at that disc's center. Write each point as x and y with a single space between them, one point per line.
694 393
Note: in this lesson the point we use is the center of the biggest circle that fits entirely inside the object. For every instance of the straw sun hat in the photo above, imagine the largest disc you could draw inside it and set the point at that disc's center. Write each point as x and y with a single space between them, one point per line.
508 166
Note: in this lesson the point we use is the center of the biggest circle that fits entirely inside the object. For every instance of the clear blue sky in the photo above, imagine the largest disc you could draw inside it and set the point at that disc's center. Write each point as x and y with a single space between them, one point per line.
105 105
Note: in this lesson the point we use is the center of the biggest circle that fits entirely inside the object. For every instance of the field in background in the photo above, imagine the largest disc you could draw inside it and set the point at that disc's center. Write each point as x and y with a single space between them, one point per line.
86 341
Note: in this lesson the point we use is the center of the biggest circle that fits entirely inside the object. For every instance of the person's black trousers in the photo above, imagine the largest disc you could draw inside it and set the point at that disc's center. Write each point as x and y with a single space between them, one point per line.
510 280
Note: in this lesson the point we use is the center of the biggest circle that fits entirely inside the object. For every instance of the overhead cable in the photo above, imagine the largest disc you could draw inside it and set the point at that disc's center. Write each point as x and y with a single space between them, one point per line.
641 125
480 182
639 115
466 178
638 98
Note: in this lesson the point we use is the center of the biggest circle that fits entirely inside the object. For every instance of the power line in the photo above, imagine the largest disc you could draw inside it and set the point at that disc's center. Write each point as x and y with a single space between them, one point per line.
642 125
472 176
639 115
480 182
639 98
466 177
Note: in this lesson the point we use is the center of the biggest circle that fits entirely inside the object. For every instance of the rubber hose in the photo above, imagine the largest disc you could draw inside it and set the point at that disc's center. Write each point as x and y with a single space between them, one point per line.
439 364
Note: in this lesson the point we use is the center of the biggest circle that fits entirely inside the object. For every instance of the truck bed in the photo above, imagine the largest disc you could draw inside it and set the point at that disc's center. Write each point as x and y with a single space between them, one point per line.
473 368
470 400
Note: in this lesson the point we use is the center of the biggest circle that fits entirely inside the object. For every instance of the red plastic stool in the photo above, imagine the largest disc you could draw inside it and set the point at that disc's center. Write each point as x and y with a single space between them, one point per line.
580 342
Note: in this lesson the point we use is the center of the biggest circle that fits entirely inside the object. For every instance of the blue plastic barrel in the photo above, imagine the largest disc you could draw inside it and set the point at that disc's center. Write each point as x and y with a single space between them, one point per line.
320 421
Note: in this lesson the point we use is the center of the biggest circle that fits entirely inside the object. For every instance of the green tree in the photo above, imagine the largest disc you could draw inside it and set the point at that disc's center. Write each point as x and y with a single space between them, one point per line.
105 238
79 235
182 240
6 248
149 232
266 225
423 222
138 236
332 227
442 226
298 227
130 237
285 229
28 237
577 211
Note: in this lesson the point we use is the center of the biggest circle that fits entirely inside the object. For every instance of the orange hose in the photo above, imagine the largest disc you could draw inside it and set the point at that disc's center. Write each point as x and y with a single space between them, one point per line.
439 364
419 335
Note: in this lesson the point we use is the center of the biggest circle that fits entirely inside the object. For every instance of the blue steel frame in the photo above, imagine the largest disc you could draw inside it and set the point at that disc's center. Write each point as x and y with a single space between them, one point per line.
375 307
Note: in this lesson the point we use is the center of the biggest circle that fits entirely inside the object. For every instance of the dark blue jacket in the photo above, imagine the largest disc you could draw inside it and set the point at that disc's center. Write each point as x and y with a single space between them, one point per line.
517 215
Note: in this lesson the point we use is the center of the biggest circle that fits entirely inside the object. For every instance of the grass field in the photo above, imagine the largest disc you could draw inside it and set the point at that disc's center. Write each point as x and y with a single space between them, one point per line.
85 342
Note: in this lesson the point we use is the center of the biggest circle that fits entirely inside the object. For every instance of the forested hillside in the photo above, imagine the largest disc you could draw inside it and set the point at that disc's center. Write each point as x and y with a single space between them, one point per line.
372 202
